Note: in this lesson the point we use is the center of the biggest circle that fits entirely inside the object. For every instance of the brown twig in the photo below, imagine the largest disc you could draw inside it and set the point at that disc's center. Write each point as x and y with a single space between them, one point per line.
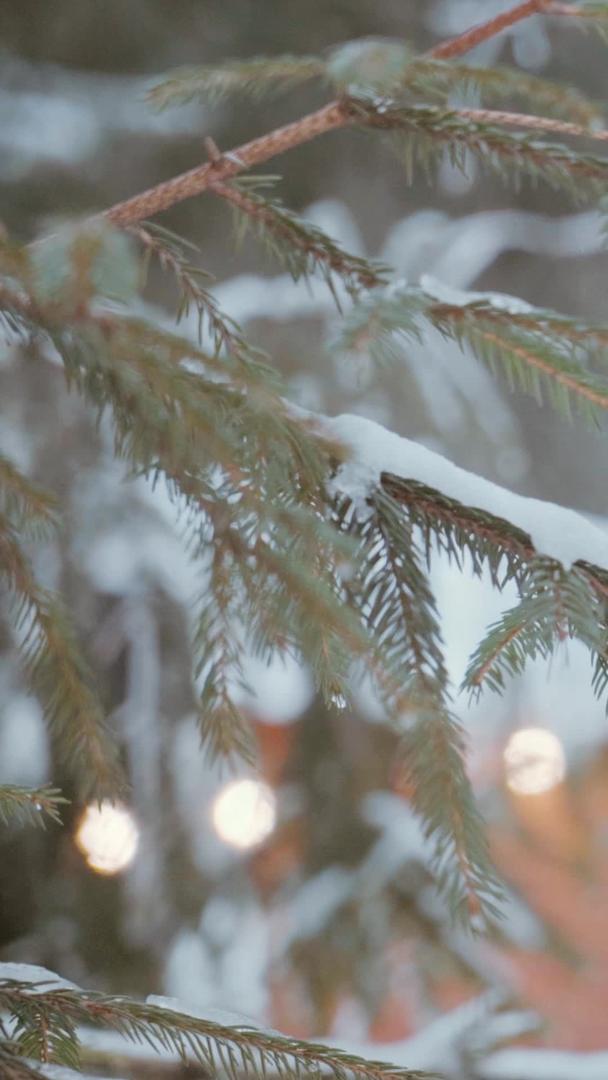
331 117
447 50
531 122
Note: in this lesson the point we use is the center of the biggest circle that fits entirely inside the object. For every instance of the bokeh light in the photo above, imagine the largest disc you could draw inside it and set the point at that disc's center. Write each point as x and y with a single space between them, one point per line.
107 835
244 813
534 761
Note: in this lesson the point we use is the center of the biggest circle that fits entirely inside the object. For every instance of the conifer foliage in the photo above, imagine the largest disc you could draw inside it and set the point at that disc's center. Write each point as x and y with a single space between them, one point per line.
268 521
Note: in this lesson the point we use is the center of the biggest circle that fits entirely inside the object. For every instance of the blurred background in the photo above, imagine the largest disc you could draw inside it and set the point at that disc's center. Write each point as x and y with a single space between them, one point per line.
300 896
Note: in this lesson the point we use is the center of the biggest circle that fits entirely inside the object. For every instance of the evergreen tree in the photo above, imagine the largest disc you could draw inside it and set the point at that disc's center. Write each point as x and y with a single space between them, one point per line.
312 535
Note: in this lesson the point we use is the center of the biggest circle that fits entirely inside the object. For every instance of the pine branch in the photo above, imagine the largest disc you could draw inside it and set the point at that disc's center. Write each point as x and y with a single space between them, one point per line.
496 84
47 1021
218 656
174 254
13 1067
28 806
258 79
396 601
336 114
57 672
302 248
530 361
470 39
554 606
455 529
422 134
228 447
25 503
506 550
537 350
531 123
196 180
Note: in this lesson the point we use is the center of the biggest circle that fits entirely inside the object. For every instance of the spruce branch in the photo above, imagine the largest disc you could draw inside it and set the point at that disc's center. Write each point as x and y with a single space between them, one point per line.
435 78
302 248
555 605
531 123
470 39
424 133
59 675
47 1023
175 255
530 360
196 180
336 114
396 601
29 806
25 503
258 79
454 528
13 1067
537 350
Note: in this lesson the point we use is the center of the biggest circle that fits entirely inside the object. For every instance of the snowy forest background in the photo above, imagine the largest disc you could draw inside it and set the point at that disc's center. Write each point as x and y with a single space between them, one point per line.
326 927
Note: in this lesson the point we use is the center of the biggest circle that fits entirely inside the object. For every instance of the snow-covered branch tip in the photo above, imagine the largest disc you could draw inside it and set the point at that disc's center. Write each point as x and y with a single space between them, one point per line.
38 1002
373 452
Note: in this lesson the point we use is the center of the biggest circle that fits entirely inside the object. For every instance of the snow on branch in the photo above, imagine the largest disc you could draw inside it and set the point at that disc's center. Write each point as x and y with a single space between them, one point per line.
555 531
47 1015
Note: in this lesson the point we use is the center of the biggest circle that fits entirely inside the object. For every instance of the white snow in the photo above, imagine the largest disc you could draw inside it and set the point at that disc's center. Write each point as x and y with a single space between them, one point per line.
32 974
447 294
524 1063
556 531
225 1017
61 1072
277 692
437 1046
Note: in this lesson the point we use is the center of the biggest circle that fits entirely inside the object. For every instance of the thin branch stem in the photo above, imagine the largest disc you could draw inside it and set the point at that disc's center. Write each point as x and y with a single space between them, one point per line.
531 122
330 118
457 46
196 180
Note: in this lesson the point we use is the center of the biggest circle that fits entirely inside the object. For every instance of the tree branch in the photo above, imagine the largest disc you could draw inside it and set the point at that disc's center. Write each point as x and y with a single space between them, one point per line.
457 46
196 180
331 117
531 122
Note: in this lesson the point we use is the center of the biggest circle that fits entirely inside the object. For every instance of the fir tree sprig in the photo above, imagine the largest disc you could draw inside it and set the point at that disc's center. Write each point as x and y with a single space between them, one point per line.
30 806
421 134
57 671
222 437
46 1023
303 249
15 1067
554 607
230 451
257 78
396 601
30 507
539 352
176 255
454 529
336 114
533 362
495 85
